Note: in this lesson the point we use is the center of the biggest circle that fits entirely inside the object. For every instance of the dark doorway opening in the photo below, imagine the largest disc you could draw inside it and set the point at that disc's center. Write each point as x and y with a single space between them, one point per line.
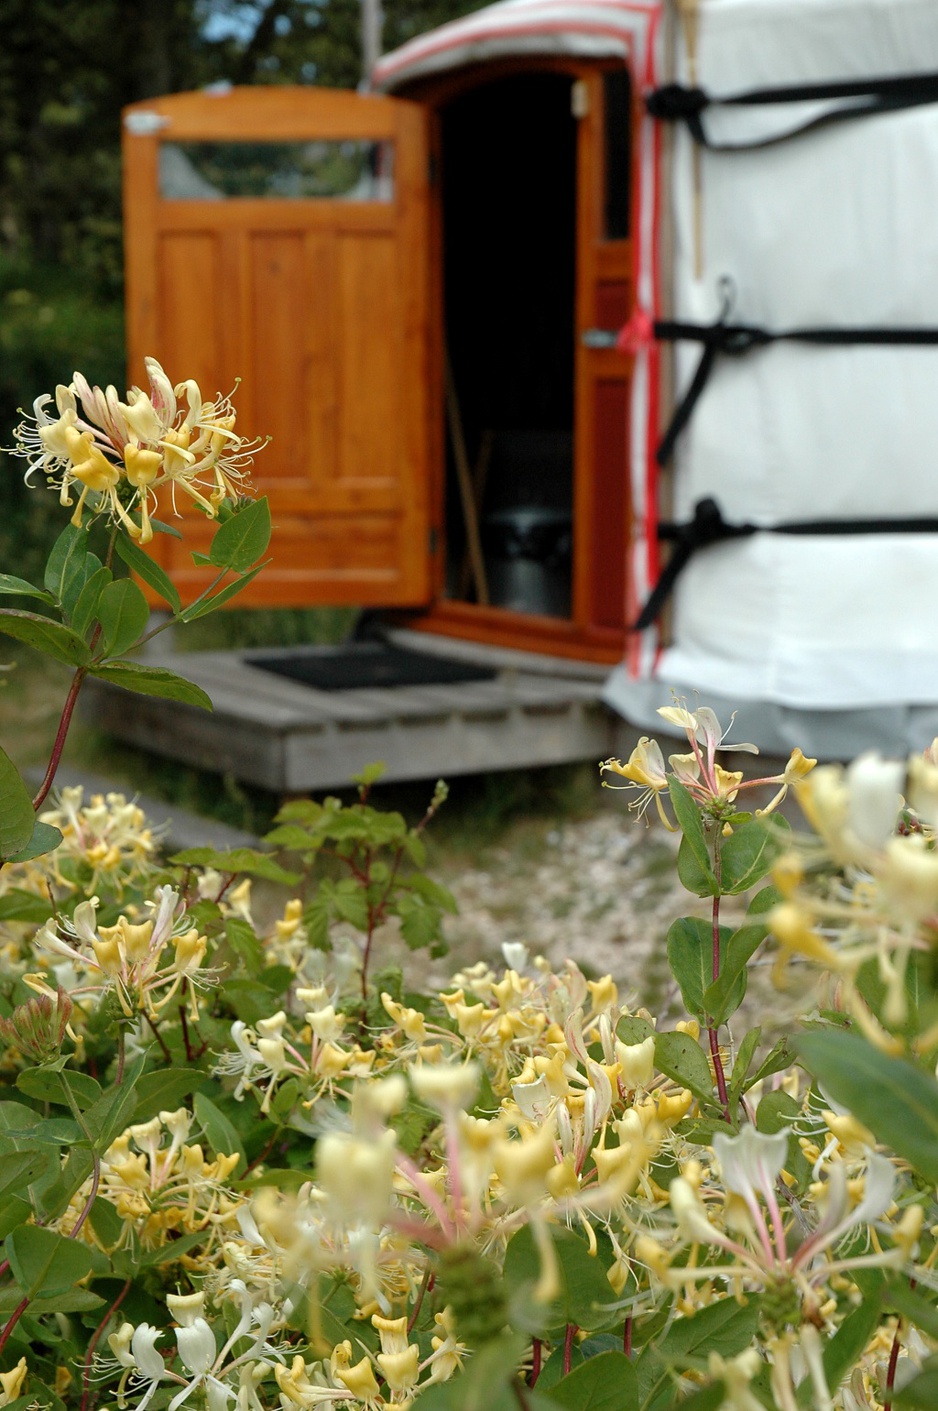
509 270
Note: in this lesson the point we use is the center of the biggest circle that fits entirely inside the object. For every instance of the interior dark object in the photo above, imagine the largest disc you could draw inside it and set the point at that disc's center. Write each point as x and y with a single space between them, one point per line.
364 665
509 241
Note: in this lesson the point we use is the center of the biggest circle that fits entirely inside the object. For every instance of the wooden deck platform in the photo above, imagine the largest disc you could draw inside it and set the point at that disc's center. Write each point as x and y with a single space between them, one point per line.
291 738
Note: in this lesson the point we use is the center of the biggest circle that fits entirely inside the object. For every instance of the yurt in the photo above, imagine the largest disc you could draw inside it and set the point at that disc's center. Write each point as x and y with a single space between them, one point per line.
606 331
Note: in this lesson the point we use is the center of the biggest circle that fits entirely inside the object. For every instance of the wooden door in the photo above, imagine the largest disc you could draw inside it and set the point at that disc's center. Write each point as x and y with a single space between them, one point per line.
279 236
605 301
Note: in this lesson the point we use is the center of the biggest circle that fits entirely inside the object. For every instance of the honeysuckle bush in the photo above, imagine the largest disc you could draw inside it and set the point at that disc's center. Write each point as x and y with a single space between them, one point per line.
247 1163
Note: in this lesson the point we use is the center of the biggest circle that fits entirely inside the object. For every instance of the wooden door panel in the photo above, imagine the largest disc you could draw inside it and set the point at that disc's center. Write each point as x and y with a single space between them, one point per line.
604 300
320 307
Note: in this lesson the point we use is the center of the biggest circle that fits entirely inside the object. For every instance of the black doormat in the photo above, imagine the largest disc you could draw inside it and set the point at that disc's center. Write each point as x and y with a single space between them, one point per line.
368 664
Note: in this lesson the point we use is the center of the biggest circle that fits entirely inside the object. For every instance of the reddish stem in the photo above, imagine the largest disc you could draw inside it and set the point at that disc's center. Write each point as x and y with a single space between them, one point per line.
537 1350
92 1346
14 1318
568 1346
894 1360
627 1337
715 970
60 736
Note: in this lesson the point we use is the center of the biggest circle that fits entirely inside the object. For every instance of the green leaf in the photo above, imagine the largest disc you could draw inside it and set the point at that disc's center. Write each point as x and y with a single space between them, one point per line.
14 1211
776 1111
764 901
44 838
113 1112
159 526
688 816
585 1293
741 1067
45 635
18 905
123 612
604 1383
894 1098
726 994
242 539
18 1169
49 1086
694 878
152 681
86 606
66 561
420 923
151 573
899 1296
690 956
921 1394
632 1029
750 852
843 1351
777 1059
45 1263
17 818
164 1090
679 1057
19 586
202 606
222 1136
725 1327
247 860
106 1223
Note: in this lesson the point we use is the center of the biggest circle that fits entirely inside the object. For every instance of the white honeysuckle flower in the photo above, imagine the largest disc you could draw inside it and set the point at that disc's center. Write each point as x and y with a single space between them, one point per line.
533 1098
838 1219
909 875
184 1307
636 1062
516 955
446 1086
752 1160
196 1345
922 786
148 1361
736 1374
874 797
357 1176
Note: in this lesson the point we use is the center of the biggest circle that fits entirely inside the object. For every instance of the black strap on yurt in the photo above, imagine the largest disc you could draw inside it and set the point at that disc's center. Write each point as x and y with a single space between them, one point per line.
858 98
709 527
735 339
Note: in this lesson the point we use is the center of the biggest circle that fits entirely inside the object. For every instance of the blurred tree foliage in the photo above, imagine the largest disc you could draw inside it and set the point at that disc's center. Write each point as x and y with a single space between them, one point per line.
67 68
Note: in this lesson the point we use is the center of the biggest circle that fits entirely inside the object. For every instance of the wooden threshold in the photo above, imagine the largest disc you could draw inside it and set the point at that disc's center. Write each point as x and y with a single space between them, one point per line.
554 636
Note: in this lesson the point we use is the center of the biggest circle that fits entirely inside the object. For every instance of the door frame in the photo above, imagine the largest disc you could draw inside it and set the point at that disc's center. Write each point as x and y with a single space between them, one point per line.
576 636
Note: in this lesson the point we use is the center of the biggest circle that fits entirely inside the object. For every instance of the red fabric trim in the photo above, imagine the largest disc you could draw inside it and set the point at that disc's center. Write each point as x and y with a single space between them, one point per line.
381 73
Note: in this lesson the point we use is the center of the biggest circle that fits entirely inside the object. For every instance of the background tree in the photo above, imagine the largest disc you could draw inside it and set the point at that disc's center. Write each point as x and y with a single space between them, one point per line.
67 68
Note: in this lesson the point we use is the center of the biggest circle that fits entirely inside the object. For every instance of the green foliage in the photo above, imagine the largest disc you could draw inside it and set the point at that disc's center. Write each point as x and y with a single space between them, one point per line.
891 1096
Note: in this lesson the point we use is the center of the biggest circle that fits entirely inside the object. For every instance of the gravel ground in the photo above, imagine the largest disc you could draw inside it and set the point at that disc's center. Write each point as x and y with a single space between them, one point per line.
604 891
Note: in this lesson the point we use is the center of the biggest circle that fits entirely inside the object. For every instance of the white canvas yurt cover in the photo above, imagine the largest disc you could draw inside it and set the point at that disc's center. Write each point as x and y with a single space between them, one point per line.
799 304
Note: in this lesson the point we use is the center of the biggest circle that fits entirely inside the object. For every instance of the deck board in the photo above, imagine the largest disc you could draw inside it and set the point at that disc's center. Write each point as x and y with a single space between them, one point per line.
292 738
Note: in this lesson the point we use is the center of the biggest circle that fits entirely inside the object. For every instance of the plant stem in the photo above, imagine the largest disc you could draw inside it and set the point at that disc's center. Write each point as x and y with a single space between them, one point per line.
92 1347
59 745
14 1318
537 1349
160 1040
568 1346
894 1360
715 971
